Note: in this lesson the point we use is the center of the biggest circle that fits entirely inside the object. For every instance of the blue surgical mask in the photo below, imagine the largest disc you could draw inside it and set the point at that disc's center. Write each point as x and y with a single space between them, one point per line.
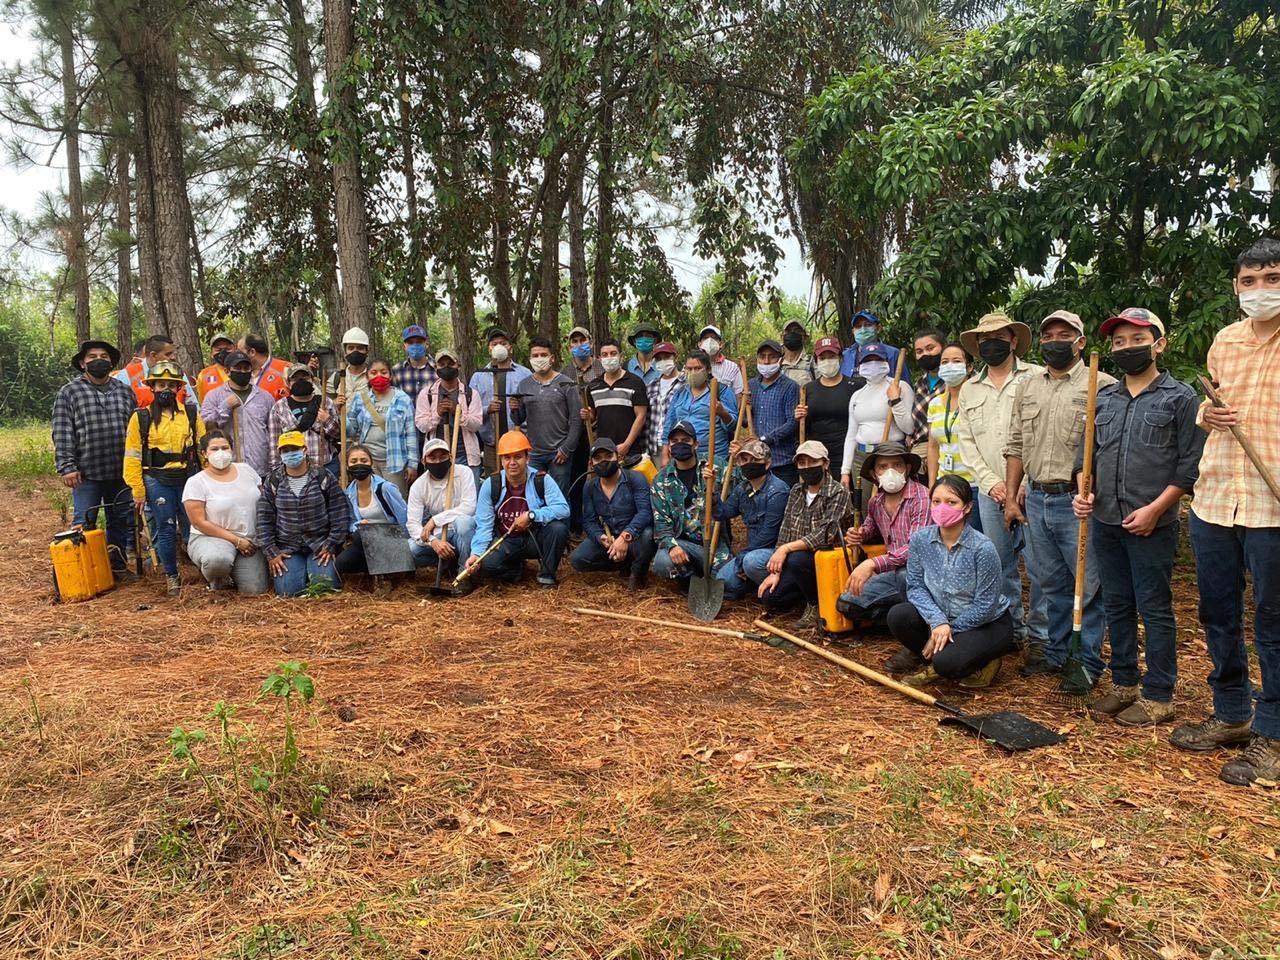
645 344
952 373
581 352
865 335
294 458
415 351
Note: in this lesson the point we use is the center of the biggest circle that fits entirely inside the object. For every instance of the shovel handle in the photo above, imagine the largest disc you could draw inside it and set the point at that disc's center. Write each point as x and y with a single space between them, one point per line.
1082 534
466 571
609 614
804 402
865 672
1246 444
746 395
888 417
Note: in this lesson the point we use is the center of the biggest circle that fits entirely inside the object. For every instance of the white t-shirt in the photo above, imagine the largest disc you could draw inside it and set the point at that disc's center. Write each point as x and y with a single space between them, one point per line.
231 504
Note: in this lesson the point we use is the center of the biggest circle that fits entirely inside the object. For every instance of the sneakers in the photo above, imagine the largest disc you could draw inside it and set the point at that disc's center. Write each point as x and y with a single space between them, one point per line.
1260 760
904 661
547 583
1145 713
1036 663
173 586
808 620
1210 735
981 678
1116 700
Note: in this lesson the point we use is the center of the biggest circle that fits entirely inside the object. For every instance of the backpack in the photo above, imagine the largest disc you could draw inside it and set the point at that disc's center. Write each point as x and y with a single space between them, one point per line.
144 432
539 484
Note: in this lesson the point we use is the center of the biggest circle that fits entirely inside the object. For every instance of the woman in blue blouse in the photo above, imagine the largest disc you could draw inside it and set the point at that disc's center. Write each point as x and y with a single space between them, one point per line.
955 623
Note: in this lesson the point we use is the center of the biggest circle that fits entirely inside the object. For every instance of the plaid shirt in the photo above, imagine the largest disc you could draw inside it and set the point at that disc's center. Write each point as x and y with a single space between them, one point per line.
896 531
317 518
319 437
920 409
402 436
413 380
89 425
817 523
656 428
679 513
773 415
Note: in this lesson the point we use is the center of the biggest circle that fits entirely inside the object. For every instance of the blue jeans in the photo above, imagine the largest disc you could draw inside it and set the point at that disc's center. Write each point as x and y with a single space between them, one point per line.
1137 578
300 569
1031 625
882 591
590 555
664 569
561 473
459 535
1053 531
118 501
744 573
1223 556
543 542
166 507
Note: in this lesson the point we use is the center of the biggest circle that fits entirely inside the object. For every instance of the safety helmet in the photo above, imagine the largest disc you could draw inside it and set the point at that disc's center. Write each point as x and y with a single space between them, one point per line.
513 441
164 370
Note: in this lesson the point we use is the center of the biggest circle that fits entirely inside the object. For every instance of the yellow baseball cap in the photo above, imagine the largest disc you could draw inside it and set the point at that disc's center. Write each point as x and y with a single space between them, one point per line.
291 438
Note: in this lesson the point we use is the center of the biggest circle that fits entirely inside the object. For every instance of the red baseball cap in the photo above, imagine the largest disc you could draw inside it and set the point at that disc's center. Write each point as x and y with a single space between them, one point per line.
1138 316
827 345
666 346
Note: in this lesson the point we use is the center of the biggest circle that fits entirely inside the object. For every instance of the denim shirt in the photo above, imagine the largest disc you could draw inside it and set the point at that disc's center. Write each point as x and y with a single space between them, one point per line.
628 510
1141 445
961 586
761 510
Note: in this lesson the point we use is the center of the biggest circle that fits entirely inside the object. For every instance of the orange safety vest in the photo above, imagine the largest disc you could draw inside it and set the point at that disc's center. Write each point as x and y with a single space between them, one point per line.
141 392
211 377
271 379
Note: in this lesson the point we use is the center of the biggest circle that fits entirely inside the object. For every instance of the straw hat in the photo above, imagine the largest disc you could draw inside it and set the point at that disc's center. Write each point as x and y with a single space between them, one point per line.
992 322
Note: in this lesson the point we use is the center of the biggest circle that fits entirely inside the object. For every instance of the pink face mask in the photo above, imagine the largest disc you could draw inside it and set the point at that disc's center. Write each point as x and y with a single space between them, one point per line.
945 515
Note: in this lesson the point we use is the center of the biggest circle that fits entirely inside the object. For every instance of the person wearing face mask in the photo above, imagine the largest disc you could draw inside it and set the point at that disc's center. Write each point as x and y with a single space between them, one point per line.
448 397
644 338
416 371
928 349
661 391
585 365
162 449
711 342
157 348
496 384
305 411
381 418
618 404
955 622
810 522
899 508
547 404
869 407
945 458
678 496
1146 458
221 502
617 517
760 499
242 412
91 417
796 364
268 371
373 500
866 334
302 521
1046 428
428 516
691 402
346 382
986 403
774 399
824 406
215 374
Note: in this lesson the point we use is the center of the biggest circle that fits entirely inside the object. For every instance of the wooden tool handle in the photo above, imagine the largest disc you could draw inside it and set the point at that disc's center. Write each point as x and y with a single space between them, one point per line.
708 486
453 460
466 571
1246 444
897 376
746 396
589 424
865 672
342 434
718 631
804 402
1082 535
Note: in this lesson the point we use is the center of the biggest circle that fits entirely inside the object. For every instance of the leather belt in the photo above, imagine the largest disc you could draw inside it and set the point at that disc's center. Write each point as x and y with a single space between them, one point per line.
1064 486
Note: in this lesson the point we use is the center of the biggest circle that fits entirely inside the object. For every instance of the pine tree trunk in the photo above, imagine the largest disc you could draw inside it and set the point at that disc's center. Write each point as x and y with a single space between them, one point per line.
500 261
153 307
603 260
76 259
124 230
462 311
353 231
578 282
552 212
417 265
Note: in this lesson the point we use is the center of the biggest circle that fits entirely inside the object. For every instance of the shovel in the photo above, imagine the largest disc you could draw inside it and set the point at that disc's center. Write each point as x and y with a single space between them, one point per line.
706 593
437 590
1075 680
1246 444
1012 731
386 549
716 631
467 571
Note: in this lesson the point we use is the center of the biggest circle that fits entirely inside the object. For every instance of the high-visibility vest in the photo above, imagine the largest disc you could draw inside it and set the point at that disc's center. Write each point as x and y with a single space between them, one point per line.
271 378
211 377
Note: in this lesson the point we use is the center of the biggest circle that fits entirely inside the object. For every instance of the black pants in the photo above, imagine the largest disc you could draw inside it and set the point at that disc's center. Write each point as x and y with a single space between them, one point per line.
545 542
351 559
579 462
798 581
590 555
788 473
968 651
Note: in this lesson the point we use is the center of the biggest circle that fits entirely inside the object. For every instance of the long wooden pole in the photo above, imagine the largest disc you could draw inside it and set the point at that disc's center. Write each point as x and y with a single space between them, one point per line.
897 376
1086 487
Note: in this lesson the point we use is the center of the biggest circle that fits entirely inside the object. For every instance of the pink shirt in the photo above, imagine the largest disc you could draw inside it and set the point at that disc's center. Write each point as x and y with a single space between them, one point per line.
896 531
428 421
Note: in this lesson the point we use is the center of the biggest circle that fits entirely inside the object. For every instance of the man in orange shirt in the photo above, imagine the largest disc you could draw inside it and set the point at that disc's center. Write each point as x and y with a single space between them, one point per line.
215 374
268 371
154 350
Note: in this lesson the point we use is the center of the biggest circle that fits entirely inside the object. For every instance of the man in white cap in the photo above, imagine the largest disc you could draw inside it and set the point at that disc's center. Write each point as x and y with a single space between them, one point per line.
711 342
447 397
427 515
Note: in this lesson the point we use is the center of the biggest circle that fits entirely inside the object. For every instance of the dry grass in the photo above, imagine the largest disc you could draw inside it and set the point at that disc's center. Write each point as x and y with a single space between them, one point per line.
521 782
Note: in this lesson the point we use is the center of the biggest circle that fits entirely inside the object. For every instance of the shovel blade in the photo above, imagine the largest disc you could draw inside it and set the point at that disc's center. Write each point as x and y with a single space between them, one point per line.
1012 731
706 597
386 549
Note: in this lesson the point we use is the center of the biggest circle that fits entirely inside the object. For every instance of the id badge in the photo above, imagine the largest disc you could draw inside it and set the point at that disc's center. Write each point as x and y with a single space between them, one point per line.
947 461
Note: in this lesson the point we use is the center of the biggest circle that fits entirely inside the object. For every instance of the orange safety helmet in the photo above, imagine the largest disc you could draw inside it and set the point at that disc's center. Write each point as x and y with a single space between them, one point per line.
513 441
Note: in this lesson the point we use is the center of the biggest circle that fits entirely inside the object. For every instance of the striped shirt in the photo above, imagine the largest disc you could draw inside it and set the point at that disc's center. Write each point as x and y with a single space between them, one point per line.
412 380
1230 491
896 531
944 427
660 394
615 405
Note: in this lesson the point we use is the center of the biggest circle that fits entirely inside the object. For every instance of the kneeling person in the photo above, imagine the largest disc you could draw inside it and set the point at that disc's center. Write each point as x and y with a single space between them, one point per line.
679 500
617 517
528 510
428 516
760 498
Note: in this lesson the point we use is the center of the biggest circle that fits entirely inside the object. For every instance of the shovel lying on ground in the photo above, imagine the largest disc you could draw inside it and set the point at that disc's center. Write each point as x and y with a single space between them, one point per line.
717 631
1012 731
706 593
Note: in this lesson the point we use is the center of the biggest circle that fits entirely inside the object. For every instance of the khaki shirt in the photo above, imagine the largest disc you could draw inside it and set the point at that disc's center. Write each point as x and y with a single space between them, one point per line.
983 425
1046 425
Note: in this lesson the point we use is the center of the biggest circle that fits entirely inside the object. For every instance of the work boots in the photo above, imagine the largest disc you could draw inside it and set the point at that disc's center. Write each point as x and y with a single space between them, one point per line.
1210 735
1117 699
1145 713
1260 760
808 620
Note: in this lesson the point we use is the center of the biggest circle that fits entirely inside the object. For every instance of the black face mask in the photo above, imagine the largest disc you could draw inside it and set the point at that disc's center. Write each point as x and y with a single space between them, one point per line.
793 341
812 476
166 399
1134 359
1059 354
606 468
98 368
356 358
360 471
681 451
753 471
240 377
220 358
994 352
439 470
929 362
447 374
303 388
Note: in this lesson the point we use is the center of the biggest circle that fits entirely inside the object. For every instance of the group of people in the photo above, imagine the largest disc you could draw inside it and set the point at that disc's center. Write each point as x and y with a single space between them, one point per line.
939 487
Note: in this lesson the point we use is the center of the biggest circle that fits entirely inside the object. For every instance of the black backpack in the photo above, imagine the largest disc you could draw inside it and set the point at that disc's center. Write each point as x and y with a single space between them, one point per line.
144 432
539 484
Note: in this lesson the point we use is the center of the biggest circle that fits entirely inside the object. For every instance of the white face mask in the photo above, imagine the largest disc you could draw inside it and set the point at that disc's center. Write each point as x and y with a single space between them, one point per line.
891 481
767 370
1260 304
220 459
498 353
874 371
829 367
540 364
665 367
952 373
711 346
611 364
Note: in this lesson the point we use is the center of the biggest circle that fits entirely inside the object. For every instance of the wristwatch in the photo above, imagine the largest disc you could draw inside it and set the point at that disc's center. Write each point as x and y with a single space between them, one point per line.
530 516
625 535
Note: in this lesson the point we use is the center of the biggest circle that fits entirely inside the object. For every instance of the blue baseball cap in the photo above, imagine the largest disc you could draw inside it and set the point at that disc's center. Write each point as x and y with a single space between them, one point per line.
864 315
873 351
414 331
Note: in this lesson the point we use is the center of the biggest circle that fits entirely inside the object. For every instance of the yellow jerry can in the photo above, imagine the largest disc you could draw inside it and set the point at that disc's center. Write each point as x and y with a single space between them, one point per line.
646 467
832 574
81 569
